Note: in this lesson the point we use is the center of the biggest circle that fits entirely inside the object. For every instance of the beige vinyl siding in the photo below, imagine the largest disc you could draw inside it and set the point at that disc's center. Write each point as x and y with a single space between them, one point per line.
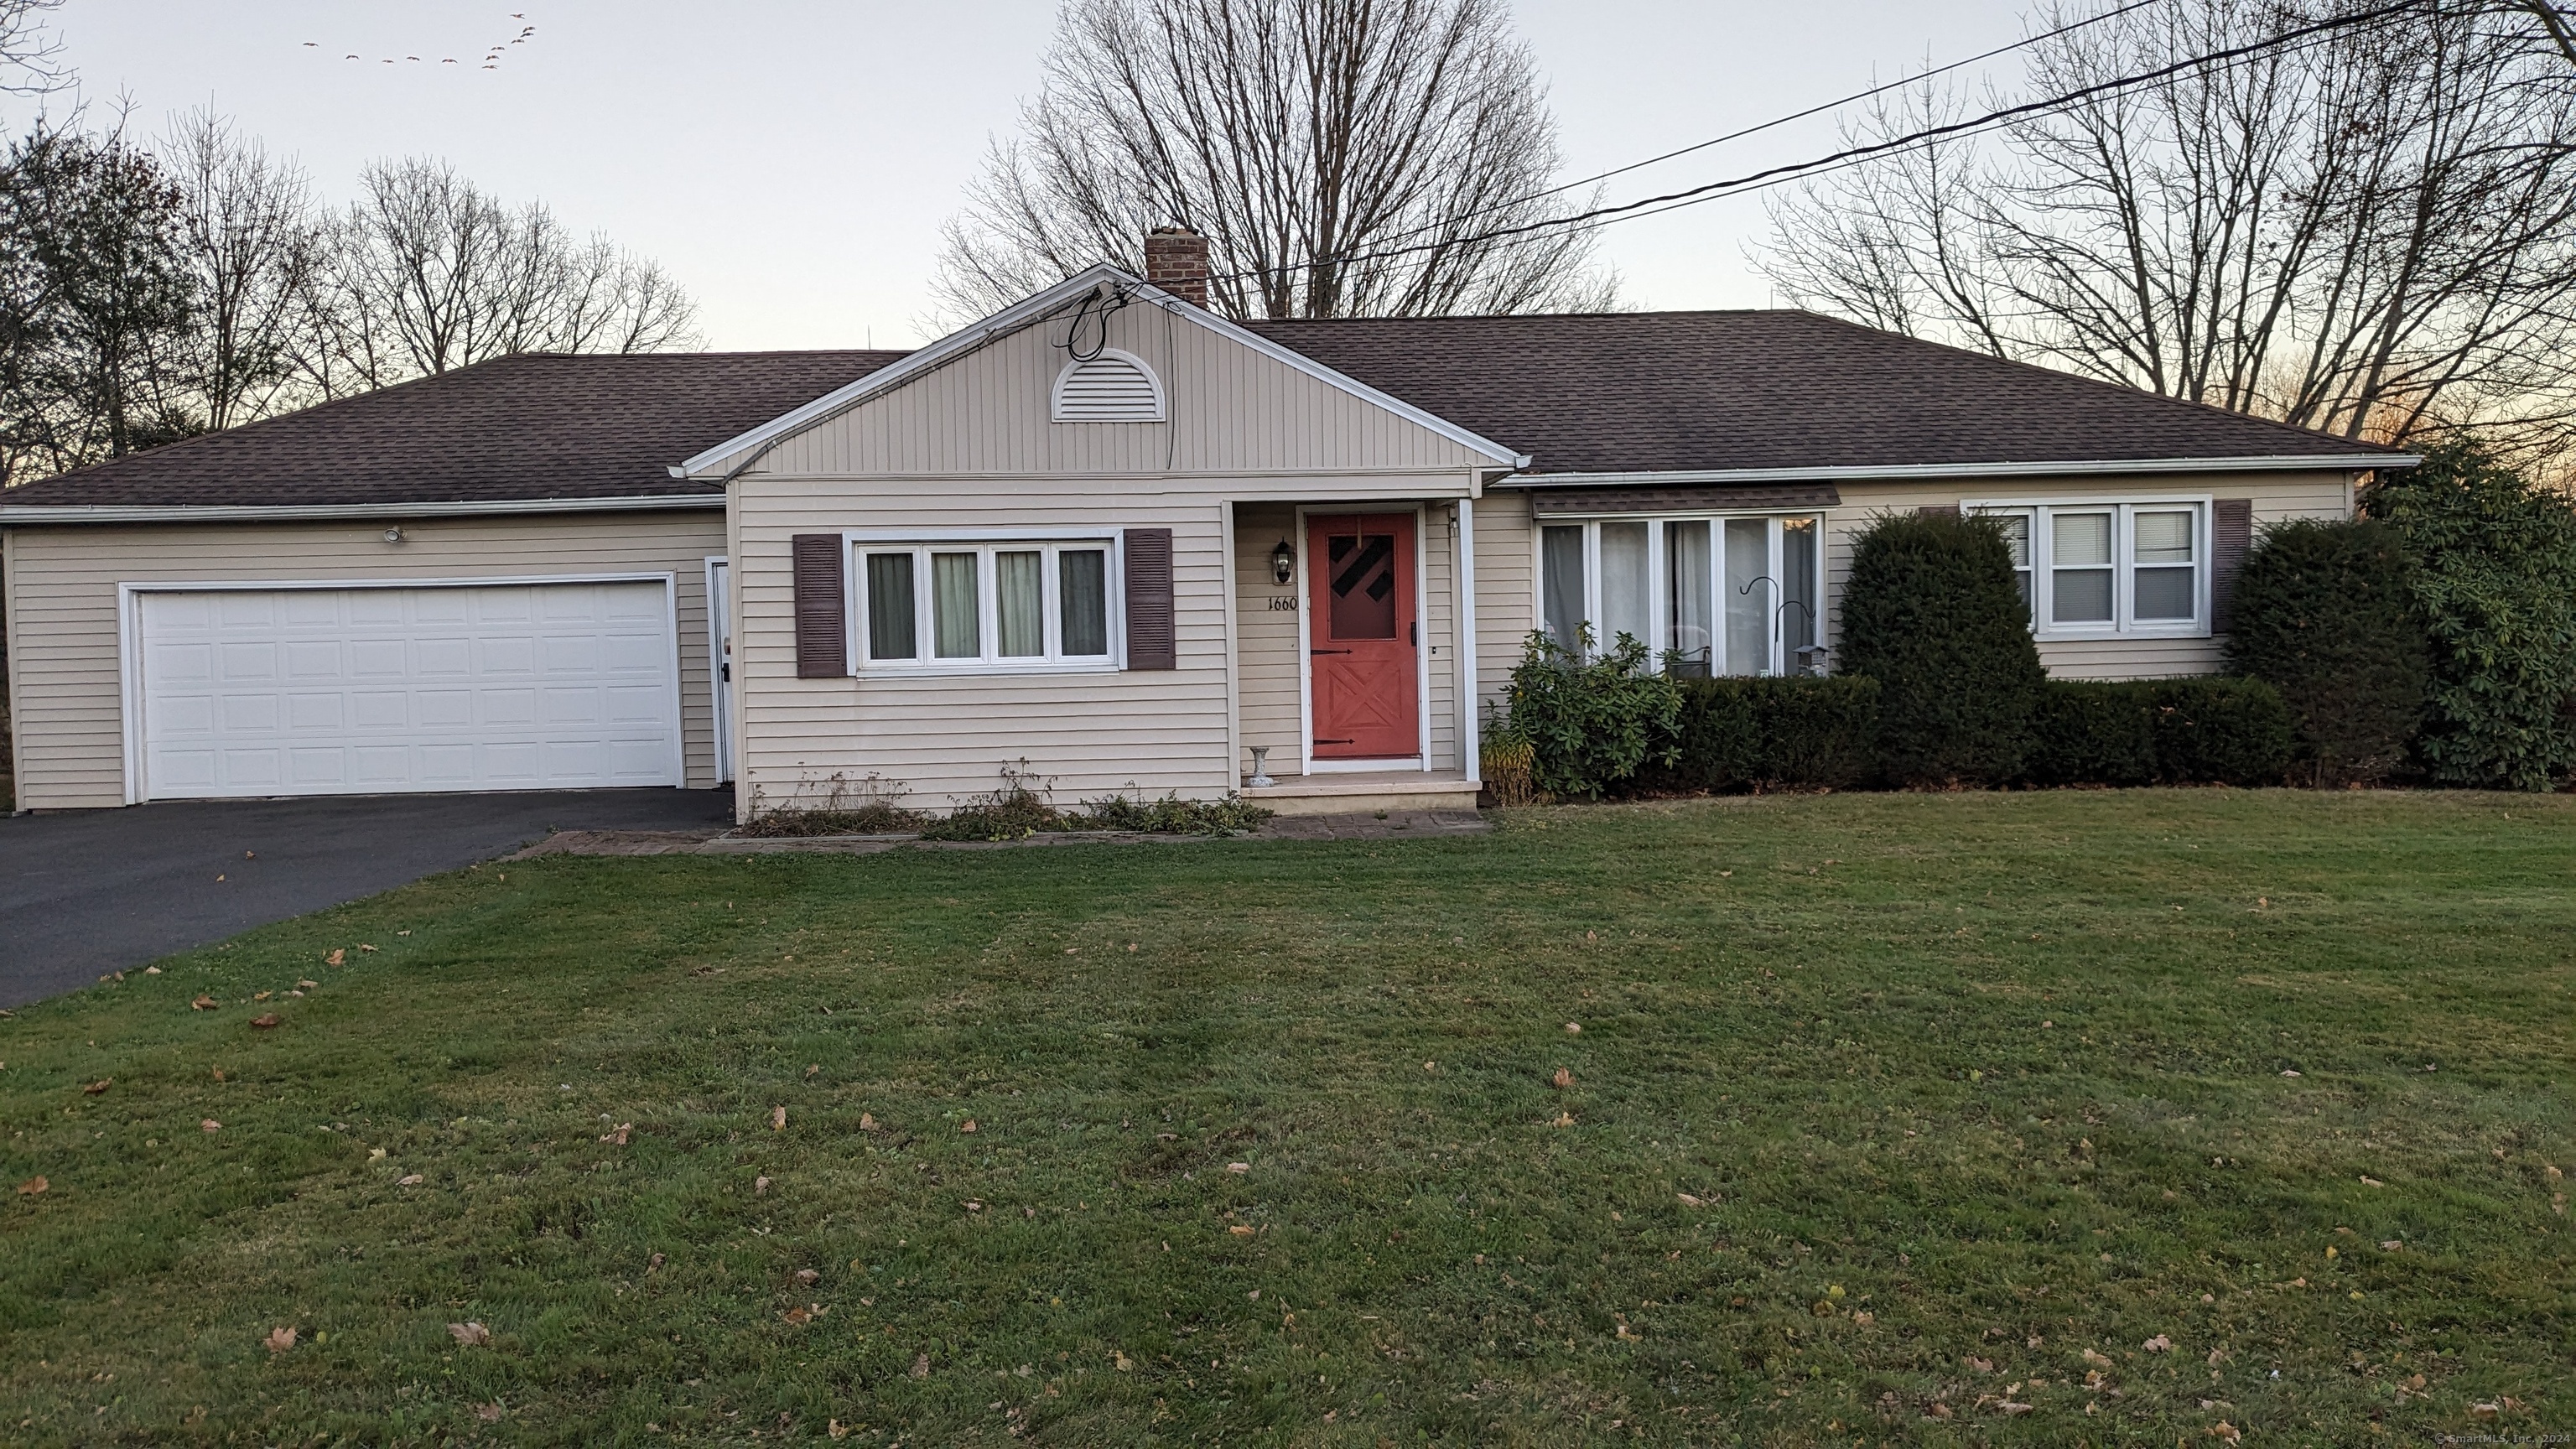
1506 590
2277 497
1266 639
64 656
1231 410
944 739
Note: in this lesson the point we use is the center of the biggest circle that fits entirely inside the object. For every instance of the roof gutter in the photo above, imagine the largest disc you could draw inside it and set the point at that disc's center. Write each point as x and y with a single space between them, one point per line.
2342 462
18 515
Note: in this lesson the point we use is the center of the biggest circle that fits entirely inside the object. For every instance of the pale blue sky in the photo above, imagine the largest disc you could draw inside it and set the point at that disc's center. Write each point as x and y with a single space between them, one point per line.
792 161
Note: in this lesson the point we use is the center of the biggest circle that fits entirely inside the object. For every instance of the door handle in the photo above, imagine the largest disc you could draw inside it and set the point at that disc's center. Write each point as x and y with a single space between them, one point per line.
1413 633
724 671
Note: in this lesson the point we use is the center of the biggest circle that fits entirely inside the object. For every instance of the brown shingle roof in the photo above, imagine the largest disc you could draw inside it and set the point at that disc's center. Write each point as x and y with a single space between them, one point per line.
539 425
1675 391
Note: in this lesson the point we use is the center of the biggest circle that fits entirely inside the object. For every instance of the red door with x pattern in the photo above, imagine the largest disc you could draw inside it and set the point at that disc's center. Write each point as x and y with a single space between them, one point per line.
1363 641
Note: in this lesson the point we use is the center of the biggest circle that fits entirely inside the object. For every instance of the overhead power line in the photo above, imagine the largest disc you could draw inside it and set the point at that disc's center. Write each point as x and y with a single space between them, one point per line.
1816 110
1775 175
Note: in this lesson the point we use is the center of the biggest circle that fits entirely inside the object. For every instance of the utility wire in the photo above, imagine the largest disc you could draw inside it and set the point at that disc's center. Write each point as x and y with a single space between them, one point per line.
1774 175
1817 110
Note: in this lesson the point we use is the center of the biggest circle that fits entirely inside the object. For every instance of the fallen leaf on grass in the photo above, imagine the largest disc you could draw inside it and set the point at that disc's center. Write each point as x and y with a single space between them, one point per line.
837 1429
366 948
808 1277
1626 1335
264 1023
968 1125
1242 1230
279 1340
338 957
1238 1167
210 1125
1563 1119
151 970
973 1206
261 995
1939 1411
376 1154
2011 1410
921 1365
2157 1344
94 1088
618 1137
1123 1362
2097 1359
797 1316
309 985
1574 1028
488 1413
2227 1431
1981 1365
469 1335
1690 1201
33 1186
408 1180
759 1186
202 1003
1863 1318
867 1123
2368 1181
1563 1078
777 1119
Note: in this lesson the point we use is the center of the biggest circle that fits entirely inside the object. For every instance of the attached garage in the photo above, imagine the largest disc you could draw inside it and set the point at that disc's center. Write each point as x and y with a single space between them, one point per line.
527 685
486 580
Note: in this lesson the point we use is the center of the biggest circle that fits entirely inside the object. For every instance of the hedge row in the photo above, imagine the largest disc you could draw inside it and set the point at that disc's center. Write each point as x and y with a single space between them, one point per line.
1769 734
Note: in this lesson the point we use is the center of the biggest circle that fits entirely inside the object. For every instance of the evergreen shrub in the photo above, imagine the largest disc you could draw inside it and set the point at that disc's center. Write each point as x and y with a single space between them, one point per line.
2493 560
2325 613
1931 612
1592 717
1774 733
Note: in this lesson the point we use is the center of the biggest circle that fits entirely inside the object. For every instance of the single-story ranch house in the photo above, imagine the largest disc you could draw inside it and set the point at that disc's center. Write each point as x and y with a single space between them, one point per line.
1104 536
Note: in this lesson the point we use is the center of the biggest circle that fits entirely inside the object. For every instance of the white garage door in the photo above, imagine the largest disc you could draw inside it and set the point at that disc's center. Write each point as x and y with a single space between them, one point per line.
365 691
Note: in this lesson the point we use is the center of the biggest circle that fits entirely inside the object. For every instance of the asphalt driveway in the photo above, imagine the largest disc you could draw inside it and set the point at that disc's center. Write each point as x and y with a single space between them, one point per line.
86 893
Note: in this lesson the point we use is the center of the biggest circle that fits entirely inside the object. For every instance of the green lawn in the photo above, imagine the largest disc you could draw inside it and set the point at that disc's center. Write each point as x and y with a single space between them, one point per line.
1886 1112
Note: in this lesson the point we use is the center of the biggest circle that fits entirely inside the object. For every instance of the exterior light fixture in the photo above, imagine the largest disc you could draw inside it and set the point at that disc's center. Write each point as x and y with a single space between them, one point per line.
1283 562
394 534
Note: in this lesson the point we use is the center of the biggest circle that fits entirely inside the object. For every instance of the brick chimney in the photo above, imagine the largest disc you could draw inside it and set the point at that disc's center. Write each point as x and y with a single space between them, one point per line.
1176 260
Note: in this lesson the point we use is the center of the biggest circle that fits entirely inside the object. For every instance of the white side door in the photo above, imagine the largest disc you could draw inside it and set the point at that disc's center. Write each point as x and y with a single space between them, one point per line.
720 661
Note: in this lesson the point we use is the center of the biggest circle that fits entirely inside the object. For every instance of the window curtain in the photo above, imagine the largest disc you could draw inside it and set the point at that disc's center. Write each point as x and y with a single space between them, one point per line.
953 614
1019 597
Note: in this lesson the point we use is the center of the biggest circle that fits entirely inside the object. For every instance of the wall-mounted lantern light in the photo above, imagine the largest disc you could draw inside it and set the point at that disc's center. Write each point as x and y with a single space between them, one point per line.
1283 562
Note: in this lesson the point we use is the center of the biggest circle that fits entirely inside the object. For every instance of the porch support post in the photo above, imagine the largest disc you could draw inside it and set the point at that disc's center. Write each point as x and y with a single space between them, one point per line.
1470 747
1233 652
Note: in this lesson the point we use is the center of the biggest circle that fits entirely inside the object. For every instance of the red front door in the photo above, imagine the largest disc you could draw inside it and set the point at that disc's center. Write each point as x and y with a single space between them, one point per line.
1361 636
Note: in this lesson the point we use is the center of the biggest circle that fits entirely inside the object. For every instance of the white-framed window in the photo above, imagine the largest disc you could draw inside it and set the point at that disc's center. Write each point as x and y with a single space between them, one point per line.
1707 594
985 605
2106 568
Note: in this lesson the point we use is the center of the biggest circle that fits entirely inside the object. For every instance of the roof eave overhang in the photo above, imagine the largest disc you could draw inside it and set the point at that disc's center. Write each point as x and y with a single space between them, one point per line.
1920 472
21 515
729 458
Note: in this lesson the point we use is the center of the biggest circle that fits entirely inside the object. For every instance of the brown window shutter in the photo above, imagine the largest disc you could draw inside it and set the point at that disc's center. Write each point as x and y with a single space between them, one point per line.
1938 510
2231 529
822 618
1150 644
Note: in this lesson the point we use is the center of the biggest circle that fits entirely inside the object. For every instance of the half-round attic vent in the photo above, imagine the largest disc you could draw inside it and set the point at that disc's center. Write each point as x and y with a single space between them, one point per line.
1115 387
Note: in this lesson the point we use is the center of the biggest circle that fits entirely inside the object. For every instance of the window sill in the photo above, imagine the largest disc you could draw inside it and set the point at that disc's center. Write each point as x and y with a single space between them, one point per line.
982 669
2113 636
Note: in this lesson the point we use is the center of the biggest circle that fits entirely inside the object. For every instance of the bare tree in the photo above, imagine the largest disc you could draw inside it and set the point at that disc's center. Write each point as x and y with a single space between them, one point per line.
30 56
2371 232
427 272
1340 155
251 241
